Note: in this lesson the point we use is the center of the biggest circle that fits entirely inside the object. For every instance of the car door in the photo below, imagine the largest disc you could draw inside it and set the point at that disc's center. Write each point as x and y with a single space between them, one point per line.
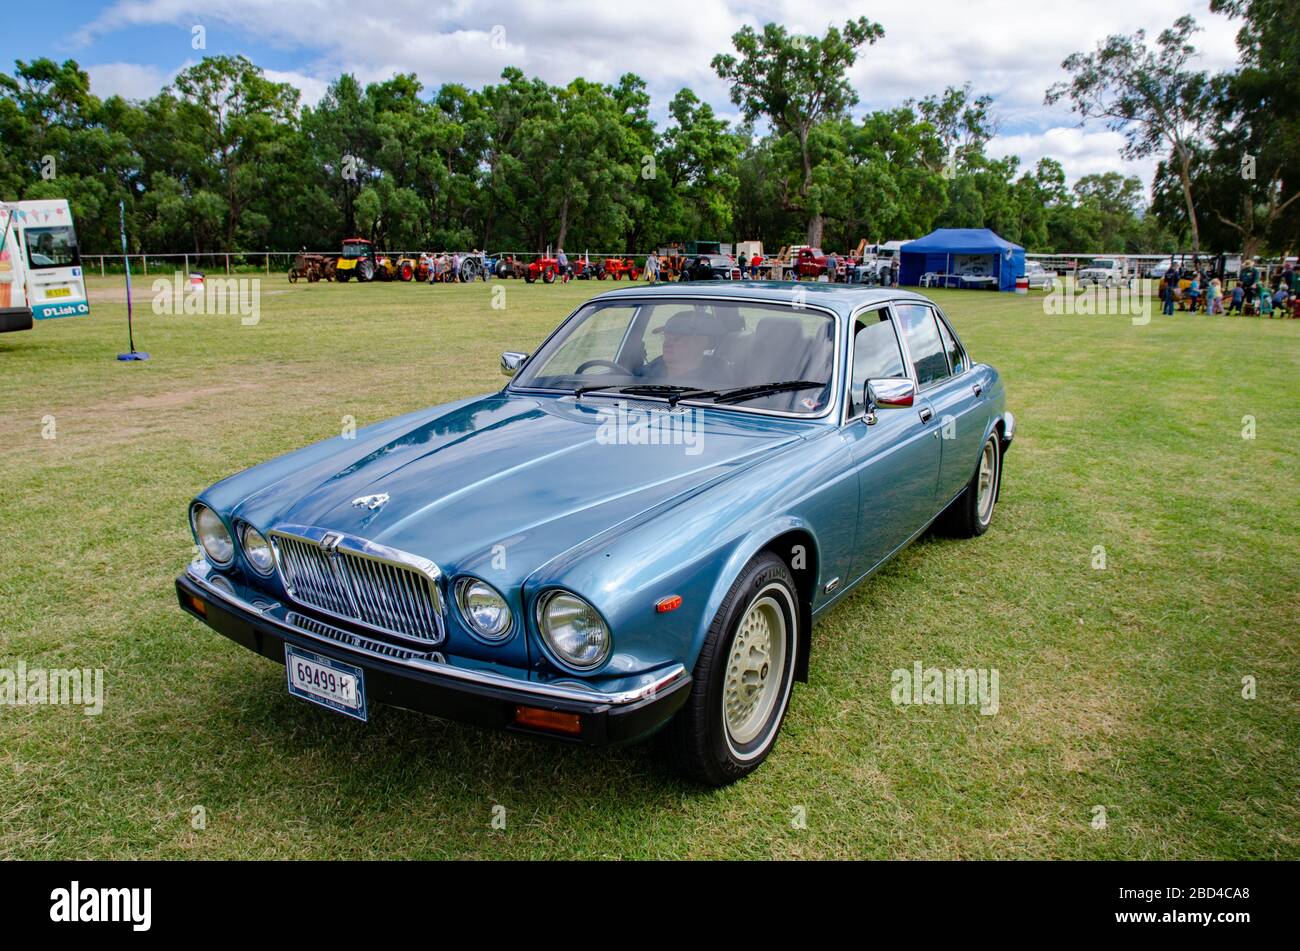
896 456
958 400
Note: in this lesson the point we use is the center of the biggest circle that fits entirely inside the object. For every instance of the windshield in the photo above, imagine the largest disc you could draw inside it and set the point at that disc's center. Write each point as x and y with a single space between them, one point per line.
52 247
355 250
688 346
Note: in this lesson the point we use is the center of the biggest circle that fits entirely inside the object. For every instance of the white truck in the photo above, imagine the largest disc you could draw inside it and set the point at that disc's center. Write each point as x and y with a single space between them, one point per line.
1106 272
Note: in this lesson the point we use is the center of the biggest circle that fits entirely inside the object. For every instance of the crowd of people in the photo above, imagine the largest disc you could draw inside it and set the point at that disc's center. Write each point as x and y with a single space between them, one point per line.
450 268
1195 289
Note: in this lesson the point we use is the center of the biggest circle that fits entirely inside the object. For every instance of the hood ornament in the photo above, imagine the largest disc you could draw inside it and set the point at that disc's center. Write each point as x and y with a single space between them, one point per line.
371 502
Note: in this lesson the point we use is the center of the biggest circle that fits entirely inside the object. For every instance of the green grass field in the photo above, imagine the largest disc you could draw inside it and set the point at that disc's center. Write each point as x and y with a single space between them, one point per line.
1120 687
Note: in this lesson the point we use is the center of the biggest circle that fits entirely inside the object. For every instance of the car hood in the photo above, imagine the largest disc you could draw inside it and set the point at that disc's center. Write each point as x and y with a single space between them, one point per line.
525 477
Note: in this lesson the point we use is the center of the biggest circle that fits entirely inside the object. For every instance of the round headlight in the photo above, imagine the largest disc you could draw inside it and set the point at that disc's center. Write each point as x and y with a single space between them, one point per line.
212 535
574 630
484 610
257 550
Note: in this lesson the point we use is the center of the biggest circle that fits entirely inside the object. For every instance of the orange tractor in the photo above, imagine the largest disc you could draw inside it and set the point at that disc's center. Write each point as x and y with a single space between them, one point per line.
618 267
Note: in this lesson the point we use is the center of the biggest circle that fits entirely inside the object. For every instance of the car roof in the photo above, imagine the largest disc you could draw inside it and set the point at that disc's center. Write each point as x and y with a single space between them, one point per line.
844 299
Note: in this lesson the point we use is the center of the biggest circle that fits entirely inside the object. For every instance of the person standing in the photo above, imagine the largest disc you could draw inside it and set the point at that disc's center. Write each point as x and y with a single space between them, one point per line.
832 266
562 265
755 265
1249 280
652 268
893 271
455 267
1214 297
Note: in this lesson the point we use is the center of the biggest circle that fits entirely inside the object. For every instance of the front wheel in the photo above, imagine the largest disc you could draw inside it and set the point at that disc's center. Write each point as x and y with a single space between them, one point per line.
743 678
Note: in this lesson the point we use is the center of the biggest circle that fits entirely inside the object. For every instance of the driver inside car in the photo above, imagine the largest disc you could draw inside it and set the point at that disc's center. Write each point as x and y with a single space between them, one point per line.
689 336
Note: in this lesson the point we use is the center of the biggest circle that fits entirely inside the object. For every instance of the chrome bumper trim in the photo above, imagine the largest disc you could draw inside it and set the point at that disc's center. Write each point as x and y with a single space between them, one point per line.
433 663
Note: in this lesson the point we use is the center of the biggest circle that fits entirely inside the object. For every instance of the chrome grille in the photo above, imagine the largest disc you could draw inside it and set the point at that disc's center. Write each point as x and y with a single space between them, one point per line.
349 639
343 576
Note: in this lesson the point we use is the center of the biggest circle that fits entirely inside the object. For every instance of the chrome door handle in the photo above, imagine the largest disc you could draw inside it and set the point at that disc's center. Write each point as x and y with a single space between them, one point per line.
926 414
978 388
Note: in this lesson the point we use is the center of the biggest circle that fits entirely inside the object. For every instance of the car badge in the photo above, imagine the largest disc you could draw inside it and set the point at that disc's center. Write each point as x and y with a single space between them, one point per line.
330 542
371 502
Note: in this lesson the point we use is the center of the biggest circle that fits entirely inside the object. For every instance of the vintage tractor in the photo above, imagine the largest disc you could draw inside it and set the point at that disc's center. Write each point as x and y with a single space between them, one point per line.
312 267
617 268
585 269
546 268
672 262
358 260
508 267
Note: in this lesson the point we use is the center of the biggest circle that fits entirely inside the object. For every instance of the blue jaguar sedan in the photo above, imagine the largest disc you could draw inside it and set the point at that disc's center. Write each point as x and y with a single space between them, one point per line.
633 537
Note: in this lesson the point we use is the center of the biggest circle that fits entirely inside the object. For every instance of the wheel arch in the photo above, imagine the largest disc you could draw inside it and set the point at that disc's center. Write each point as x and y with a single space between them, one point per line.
795 543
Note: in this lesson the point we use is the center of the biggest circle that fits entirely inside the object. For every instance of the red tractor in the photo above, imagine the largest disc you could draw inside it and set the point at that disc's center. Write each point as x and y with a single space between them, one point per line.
585 269
546 268
617 267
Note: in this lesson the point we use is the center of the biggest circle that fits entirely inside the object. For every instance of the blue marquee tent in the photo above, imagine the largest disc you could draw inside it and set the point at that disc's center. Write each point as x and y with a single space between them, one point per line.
963 257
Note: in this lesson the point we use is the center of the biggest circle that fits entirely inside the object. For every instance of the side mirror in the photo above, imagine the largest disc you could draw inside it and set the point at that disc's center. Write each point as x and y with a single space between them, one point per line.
511 361
891 393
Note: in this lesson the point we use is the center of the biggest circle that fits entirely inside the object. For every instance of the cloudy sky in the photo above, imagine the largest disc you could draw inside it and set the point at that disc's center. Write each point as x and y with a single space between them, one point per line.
1011 50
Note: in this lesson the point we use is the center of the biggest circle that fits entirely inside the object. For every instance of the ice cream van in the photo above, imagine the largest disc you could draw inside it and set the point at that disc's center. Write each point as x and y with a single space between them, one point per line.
40 264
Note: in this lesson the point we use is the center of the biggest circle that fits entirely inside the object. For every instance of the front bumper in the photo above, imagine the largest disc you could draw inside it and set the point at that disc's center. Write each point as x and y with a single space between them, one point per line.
618 711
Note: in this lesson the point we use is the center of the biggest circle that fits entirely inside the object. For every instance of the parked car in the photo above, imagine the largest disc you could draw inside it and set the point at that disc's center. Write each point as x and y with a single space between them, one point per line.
712 267
1105 272
1039 277
524 560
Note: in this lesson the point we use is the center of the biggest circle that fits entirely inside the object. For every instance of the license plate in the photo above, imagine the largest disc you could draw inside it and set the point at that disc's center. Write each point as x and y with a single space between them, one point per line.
322 680
58 292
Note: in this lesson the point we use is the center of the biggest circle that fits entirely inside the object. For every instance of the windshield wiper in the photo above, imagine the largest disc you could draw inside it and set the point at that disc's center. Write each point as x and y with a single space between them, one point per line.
672 392
592 388
742 393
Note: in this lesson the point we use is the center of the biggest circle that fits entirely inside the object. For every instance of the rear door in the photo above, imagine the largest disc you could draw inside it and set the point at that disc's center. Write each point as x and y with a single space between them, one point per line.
954 391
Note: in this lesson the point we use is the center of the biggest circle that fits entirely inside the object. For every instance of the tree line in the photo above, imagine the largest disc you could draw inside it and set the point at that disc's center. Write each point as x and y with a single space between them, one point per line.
226 160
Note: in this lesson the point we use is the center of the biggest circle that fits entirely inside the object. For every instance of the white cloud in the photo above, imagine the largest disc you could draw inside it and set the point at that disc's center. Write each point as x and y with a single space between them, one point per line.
128 80
311 87
1080 151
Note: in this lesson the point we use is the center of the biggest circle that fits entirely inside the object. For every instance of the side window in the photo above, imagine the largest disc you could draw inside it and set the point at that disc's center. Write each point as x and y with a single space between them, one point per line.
922 334
876 355
956 355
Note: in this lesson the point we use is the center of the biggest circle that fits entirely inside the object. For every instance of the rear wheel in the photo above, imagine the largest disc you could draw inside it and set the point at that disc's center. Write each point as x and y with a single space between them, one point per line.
548 276
742 680
293 277
366 271
971 513
529 276
407 273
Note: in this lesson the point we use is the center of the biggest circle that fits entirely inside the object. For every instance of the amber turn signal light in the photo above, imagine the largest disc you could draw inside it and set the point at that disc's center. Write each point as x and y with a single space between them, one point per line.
197 604
554 721
670 603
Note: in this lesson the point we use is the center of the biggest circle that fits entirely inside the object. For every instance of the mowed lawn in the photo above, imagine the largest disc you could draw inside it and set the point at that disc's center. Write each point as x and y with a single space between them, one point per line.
1120 687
